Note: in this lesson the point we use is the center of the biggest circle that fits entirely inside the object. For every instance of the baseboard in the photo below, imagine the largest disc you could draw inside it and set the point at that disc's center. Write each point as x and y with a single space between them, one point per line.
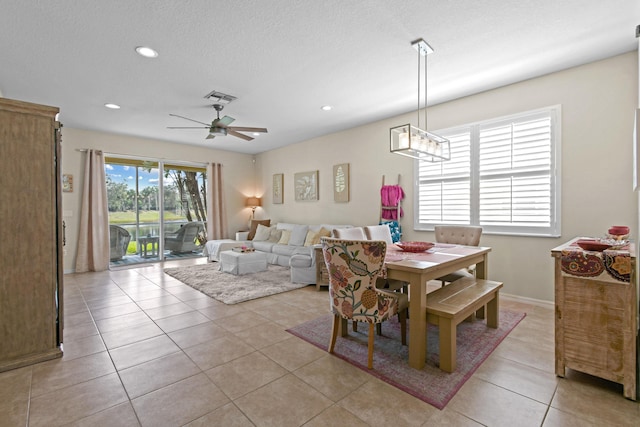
538 302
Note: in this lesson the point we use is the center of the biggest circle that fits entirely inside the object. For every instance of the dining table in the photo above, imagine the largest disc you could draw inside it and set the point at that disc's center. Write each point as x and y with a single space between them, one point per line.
416 269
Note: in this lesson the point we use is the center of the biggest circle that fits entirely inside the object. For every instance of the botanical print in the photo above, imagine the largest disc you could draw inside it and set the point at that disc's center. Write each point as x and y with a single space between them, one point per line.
306 186
341 182
278 197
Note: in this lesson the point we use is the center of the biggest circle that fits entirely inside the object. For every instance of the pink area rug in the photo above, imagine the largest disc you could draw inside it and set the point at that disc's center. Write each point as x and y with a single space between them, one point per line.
474 340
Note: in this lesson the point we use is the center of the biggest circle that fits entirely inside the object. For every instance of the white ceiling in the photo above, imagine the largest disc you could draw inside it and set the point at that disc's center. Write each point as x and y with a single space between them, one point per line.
285 59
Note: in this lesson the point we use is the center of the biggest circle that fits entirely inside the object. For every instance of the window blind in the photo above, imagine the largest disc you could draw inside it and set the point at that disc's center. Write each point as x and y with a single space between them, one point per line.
502 176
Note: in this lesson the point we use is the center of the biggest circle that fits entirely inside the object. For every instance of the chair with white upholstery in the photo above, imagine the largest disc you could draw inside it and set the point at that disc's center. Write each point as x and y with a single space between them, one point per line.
467 235
351 233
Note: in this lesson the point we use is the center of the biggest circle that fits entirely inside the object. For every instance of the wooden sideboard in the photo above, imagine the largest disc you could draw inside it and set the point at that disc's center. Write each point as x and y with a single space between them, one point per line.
31 235
596 323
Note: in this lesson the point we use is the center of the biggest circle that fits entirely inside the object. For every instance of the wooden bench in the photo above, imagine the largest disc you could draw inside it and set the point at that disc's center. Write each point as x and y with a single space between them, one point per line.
451 304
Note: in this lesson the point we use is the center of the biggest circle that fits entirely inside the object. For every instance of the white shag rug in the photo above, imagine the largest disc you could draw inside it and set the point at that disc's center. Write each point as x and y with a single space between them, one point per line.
230 289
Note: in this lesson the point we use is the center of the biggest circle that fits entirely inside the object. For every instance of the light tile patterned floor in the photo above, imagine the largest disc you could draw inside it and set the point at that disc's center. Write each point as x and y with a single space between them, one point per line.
143 349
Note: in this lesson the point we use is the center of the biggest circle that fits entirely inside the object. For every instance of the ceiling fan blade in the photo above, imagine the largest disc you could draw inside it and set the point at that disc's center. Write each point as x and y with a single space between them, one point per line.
246 129
239 135
187 118
190 127
210 136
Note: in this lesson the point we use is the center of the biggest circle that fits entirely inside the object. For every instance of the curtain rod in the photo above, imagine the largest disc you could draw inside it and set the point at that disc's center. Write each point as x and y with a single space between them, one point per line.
130 156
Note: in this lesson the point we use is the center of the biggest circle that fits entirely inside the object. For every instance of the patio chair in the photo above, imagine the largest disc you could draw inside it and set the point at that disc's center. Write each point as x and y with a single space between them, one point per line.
183 240
119 239
354 266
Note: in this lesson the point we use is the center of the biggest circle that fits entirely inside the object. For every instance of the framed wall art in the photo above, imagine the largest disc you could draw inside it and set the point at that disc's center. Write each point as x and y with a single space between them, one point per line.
306 186
67 183
278 186
341 183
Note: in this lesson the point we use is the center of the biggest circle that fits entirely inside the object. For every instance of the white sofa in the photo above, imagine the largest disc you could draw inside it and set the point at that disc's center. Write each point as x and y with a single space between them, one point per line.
294 254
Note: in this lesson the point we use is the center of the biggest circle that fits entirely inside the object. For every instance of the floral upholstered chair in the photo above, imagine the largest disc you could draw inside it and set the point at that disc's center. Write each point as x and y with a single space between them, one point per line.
354 266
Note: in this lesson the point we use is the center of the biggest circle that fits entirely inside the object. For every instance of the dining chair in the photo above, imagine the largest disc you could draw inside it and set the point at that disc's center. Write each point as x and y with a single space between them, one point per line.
351 233
354 266
467 235
383 232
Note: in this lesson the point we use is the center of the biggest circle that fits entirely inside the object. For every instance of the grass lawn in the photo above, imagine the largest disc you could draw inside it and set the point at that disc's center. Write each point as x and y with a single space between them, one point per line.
129 217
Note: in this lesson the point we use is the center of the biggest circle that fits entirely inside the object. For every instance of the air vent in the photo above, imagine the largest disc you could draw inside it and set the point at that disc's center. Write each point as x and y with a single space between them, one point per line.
219 97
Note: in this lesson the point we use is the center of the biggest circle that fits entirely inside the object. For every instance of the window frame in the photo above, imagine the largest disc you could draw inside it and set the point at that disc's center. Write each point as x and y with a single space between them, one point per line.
473 129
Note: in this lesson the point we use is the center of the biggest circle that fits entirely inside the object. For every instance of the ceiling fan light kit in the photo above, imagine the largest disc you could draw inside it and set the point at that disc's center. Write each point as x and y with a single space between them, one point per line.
411 141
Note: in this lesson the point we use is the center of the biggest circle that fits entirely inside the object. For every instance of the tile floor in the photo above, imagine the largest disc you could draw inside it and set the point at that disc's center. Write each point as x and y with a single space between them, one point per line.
143 349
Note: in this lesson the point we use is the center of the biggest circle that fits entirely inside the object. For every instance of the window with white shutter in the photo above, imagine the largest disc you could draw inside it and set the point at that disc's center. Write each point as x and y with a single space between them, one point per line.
503 175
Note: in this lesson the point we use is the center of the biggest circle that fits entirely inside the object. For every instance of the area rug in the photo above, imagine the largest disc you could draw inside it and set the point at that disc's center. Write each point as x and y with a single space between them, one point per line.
230 289
475 342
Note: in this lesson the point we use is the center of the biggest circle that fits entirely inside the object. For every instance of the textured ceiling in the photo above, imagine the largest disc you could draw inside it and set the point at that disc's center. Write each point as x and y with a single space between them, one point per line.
285 59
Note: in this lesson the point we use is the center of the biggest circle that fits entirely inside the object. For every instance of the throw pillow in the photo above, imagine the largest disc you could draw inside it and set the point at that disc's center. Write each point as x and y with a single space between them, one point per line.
275 235
262 233
284 239
312 236
323 233
298 234
254 226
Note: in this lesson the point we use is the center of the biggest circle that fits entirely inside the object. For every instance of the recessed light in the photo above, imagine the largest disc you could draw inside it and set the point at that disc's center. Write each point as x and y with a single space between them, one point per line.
326 108
112 106
256 134
147 52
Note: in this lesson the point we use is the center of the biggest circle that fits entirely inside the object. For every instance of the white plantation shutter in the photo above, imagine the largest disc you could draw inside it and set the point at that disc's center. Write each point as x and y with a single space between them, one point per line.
445 186
502 176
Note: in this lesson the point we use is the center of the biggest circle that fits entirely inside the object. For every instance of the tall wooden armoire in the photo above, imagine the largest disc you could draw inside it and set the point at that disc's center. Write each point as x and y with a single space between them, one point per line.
31 269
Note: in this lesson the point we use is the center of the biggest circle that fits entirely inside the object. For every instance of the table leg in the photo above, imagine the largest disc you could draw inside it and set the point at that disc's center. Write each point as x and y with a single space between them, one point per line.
492 311
418 321
447 344
482 269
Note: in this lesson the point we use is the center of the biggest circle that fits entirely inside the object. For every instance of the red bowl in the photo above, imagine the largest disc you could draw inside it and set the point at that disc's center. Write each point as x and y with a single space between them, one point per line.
593 245
618 230
415 246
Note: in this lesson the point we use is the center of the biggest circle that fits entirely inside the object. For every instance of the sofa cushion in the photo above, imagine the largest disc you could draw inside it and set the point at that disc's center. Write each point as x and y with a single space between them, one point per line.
298 234
285 226
286 250
284 239
254 226
262 233
263 246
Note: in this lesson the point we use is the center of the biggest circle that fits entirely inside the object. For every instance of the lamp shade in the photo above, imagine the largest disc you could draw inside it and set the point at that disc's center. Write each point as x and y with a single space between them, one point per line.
253 202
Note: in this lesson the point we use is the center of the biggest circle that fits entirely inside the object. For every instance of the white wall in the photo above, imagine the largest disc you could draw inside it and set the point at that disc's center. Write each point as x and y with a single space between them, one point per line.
238 175
598 102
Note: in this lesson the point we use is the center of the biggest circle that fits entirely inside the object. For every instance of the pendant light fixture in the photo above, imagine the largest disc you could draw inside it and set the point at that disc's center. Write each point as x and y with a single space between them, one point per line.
411 141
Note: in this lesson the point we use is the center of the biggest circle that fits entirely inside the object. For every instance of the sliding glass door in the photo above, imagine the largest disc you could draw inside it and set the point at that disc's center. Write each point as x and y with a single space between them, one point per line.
185 210
152 215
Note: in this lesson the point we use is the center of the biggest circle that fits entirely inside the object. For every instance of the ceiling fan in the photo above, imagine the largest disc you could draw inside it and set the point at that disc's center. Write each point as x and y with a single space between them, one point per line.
220 126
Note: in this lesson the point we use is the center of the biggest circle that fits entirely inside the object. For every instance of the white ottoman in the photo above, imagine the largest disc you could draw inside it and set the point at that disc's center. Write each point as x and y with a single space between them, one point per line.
242 262
213 248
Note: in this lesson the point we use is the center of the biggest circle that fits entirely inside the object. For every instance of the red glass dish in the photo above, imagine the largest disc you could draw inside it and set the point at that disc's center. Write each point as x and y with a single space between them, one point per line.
415 246
593 245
